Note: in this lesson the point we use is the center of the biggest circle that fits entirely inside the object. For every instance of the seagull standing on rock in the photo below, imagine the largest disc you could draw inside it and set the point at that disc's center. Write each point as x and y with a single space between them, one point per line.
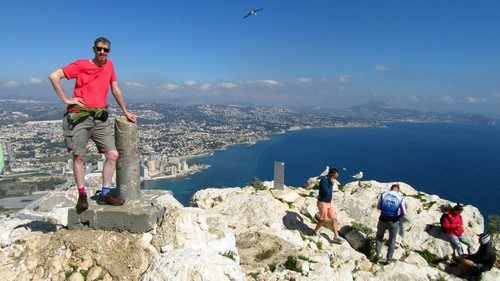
325 172
358 176
253 13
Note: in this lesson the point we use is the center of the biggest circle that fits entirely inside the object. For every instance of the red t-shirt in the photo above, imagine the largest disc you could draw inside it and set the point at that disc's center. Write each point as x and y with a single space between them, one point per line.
92 81
451 224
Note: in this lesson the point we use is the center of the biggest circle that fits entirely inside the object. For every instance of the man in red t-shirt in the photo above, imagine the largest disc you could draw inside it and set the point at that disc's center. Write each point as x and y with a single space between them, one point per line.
87 118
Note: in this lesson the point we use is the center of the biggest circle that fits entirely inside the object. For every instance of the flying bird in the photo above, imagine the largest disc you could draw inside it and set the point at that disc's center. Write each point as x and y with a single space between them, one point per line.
253 13
344 169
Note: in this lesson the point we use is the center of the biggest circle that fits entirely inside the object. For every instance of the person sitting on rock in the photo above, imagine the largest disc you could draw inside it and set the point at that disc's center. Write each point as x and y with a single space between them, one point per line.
453 223
485 257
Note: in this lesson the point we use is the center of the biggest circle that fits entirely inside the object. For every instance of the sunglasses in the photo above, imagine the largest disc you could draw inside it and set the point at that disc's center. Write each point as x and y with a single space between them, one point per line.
99 49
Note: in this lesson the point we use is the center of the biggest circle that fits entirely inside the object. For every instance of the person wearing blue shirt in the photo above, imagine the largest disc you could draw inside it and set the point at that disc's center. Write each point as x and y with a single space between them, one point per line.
325 206
392 207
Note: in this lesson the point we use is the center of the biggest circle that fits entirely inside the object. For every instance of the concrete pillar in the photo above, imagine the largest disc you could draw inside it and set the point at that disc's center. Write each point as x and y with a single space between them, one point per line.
128 177
279 175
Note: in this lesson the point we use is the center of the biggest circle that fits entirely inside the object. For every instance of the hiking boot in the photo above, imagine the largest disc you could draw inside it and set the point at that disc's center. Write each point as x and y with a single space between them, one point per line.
338 240
82 203
388 262
109 199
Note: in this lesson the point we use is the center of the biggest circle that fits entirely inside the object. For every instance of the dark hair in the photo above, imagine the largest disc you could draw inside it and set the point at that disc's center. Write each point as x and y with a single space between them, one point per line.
458 208
394 186
103 40
332 171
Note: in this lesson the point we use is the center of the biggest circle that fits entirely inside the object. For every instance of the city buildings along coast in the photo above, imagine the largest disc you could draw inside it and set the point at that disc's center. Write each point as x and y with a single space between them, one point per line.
32 142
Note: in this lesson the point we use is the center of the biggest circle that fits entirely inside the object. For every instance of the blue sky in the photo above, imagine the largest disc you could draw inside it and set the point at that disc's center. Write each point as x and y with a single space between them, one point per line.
438 55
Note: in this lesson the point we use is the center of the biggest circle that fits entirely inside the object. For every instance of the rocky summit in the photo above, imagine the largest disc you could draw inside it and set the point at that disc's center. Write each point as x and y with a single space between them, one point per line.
248 233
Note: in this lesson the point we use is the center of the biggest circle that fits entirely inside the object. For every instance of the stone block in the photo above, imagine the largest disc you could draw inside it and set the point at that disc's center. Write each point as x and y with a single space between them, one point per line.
136 215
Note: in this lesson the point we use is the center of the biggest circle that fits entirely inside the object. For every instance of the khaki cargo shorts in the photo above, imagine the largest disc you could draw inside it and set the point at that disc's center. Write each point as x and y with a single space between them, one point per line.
77 135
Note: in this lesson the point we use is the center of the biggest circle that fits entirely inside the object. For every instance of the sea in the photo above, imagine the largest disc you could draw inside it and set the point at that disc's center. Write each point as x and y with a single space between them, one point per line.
457 162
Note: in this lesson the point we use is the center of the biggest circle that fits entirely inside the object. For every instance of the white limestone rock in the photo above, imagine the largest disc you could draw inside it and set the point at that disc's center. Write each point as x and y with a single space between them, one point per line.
204 230
190 264
210 197
287 195
256 228
15 229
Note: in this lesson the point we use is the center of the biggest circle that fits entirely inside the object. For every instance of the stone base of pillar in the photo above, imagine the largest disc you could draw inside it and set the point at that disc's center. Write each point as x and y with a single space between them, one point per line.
136 216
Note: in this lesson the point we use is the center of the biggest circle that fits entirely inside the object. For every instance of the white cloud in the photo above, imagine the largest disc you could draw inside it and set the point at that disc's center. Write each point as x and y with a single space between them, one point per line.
169 86
190 83
380 67
206 87
135 85
34 80
10 84
344 78
304 80
268 82
447 99
476 100
228 85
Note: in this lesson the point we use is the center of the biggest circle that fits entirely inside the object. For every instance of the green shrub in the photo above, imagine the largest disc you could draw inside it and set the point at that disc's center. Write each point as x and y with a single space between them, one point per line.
290 204
428 205
272 267
254 275
302 235
361 228
311 194
444 208
229 255
431 258
292 264
420 196
67 274
319 244
257 184
301 257
84 273
368 248
493 224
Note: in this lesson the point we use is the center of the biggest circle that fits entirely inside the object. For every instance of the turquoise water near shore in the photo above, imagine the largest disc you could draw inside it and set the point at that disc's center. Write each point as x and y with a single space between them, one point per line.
458 162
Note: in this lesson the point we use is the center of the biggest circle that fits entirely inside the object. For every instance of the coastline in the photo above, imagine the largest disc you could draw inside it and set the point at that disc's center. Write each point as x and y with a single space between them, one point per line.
265 138
197 168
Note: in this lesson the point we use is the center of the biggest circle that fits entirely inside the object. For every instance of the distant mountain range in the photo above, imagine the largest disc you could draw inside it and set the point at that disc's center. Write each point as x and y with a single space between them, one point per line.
381 111
23 110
